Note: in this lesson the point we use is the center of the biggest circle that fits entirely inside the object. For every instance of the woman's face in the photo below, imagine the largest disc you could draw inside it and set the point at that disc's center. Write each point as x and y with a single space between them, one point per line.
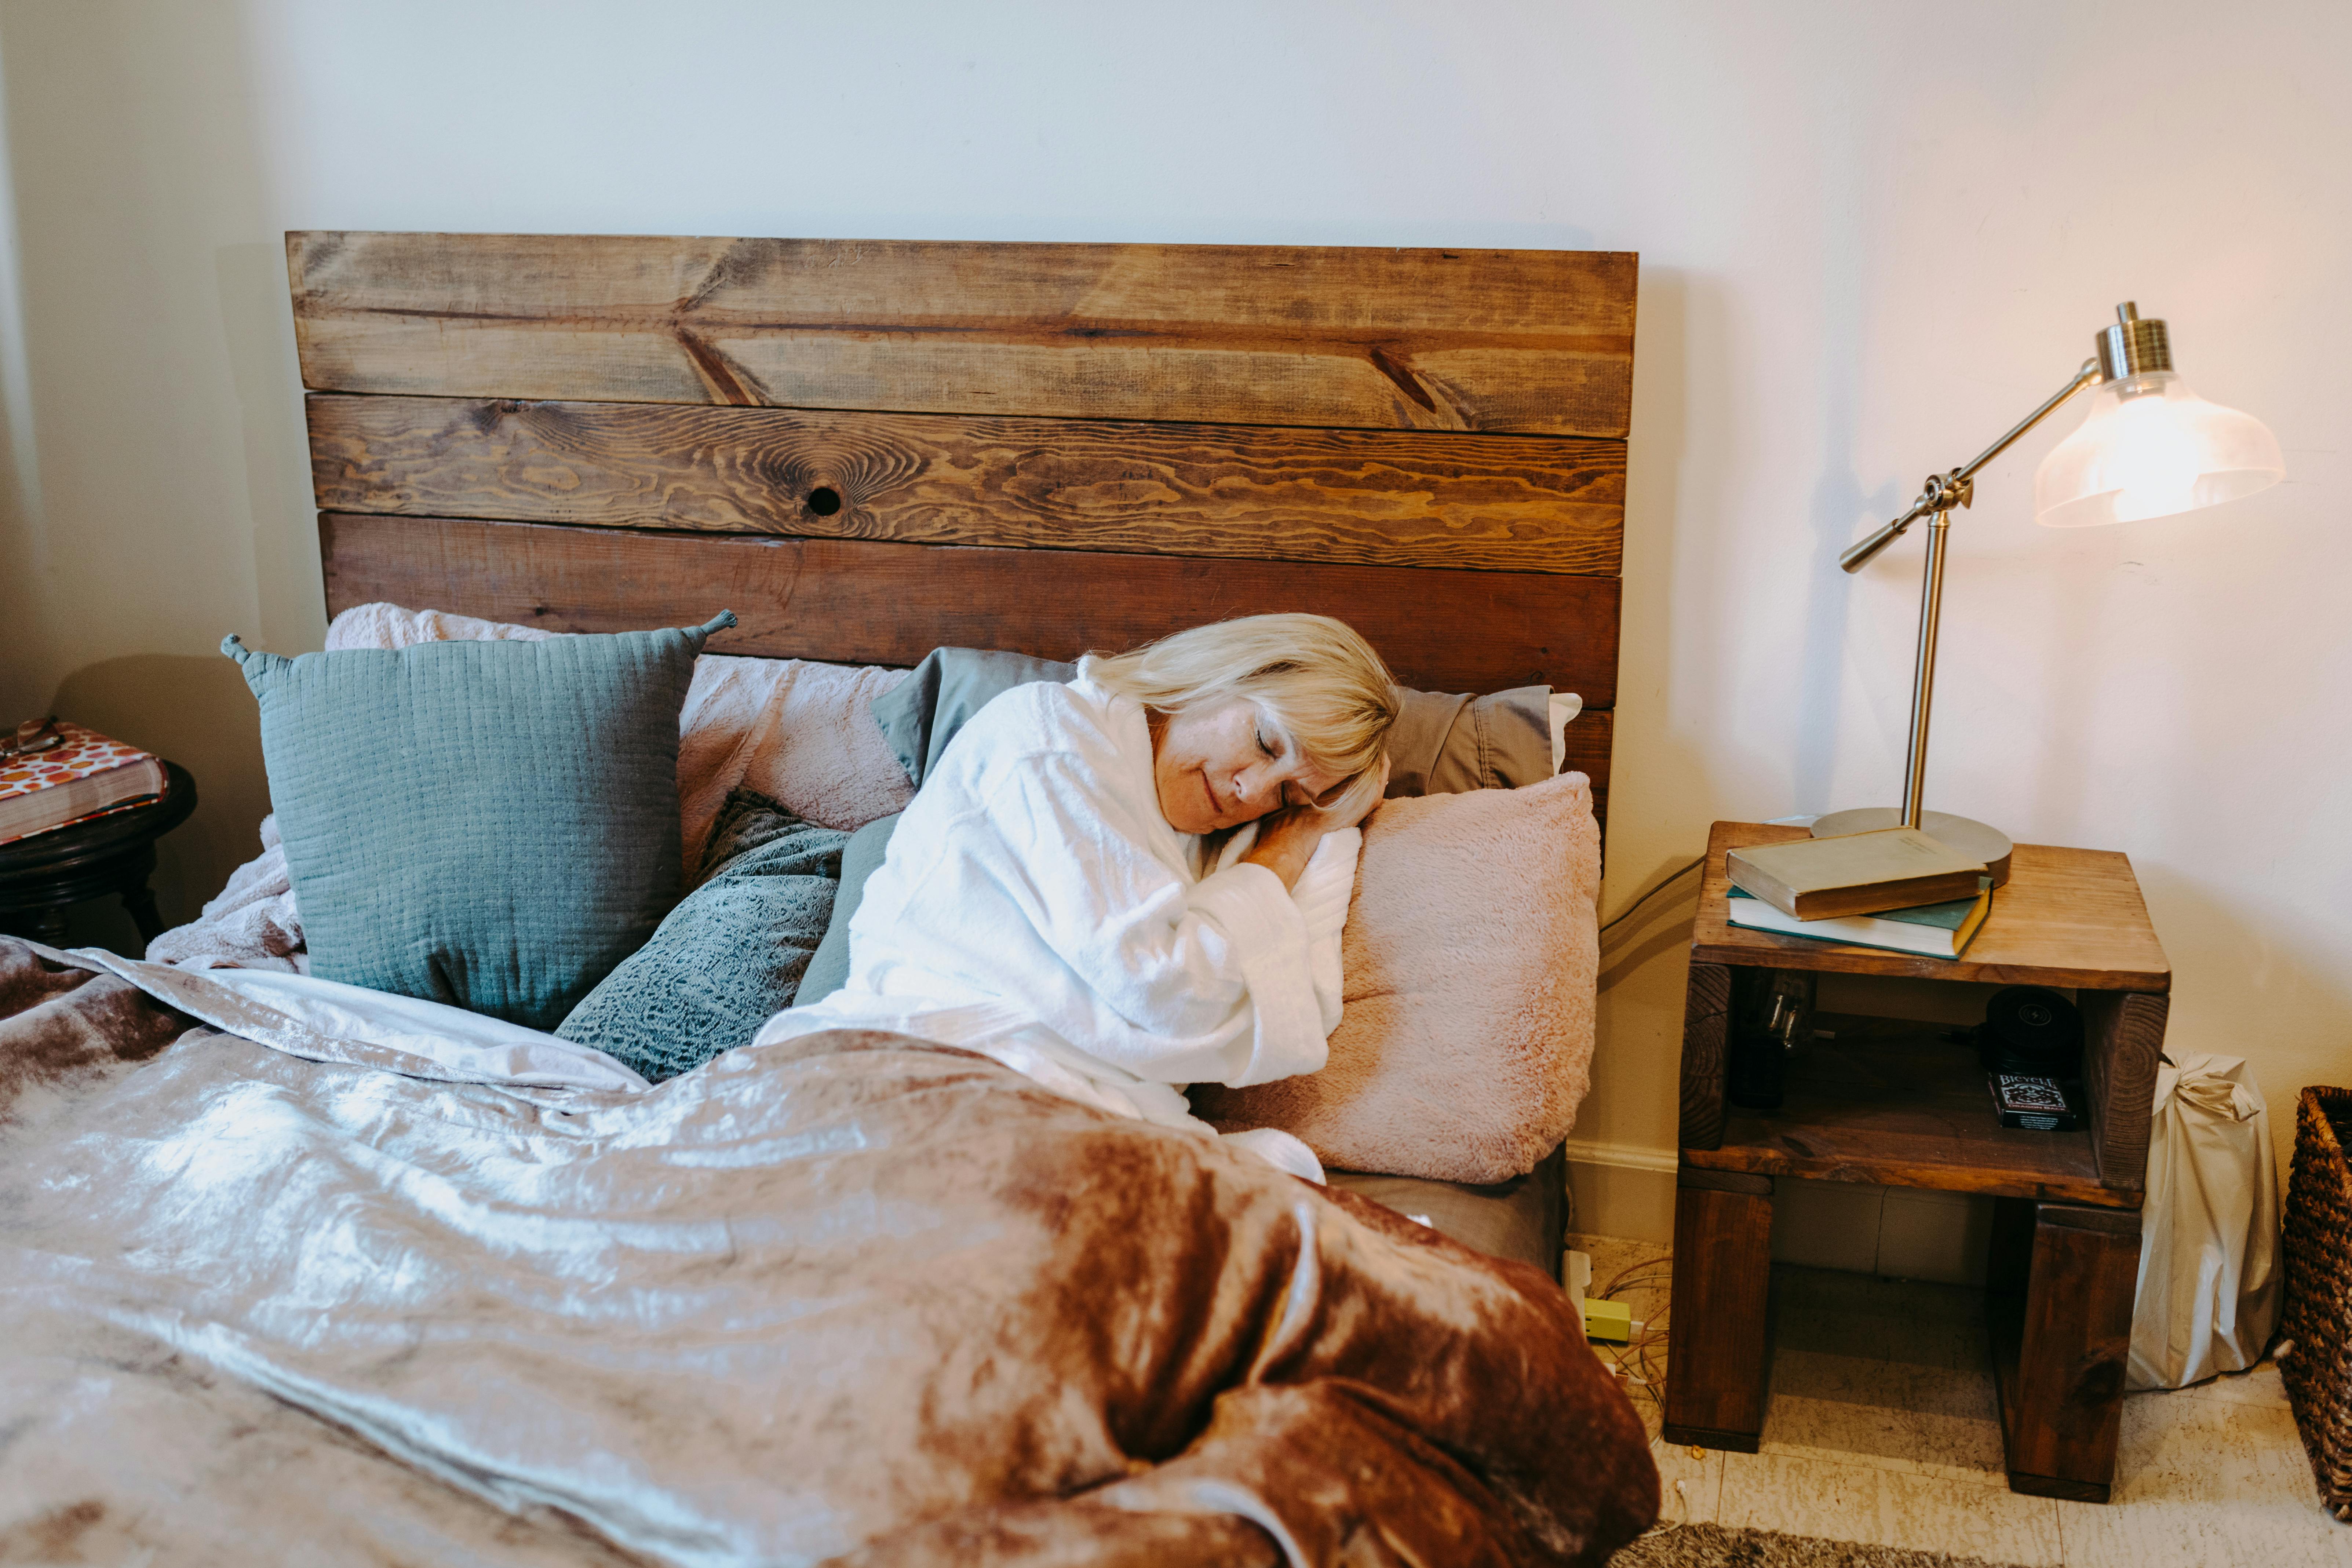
1219 766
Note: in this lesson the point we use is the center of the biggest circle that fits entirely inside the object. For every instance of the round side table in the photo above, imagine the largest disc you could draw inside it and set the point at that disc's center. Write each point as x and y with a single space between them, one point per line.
40 875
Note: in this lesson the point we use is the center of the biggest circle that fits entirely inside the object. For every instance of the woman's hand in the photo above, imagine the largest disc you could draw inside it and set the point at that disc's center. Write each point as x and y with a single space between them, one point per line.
1287 838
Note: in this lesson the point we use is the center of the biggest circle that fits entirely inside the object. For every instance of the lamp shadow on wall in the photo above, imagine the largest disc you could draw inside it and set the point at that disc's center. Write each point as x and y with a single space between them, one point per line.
1839 511
1650 761
257 322
1663 788
130 148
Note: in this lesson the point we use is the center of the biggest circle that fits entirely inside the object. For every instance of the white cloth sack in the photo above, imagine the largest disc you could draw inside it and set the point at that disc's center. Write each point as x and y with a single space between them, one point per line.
2208 1279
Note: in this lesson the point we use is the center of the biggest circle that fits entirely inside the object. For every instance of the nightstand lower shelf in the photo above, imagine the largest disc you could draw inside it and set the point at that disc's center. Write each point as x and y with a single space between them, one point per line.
1892 1102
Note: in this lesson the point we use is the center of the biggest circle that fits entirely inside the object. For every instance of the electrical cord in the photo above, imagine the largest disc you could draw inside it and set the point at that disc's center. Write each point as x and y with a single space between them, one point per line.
1669 880
1642 1375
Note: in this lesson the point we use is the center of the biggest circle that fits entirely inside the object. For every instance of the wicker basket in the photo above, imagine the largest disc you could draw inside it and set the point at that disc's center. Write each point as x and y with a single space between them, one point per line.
2317 1368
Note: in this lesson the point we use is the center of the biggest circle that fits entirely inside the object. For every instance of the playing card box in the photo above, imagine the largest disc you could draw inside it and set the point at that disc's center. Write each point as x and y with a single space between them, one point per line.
2040 1104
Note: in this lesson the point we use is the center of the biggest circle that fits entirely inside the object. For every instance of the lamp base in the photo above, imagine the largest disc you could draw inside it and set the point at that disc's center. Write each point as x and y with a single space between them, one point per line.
1989 845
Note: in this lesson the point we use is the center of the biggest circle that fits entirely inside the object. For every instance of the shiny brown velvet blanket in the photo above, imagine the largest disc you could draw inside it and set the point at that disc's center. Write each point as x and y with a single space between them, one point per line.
850 1298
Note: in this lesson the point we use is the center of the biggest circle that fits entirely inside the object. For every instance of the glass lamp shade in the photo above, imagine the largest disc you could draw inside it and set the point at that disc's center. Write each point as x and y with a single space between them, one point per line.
2150 448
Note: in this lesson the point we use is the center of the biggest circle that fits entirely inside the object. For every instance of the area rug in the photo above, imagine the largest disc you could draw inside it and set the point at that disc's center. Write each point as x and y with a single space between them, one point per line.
1713 1546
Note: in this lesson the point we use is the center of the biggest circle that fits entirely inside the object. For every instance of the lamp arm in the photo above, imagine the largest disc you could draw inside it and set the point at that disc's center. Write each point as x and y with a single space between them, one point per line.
1944 491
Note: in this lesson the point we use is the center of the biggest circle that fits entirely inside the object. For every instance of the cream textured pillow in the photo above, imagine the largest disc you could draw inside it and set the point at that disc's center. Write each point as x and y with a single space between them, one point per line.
1472 955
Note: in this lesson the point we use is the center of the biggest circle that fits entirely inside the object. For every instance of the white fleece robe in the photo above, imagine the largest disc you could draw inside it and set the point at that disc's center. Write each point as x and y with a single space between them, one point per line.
1036 907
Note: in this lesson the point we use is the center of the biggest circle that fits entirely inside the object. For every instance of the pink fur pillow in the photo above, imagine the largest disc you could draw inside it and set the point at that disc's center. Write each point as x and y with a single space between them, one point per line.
1472 957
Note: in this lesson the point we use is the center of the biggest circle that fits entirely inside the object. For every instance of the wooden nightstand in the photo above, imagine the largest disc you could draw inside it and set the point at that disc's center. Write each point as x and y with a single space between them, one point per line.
1895 1102
42 876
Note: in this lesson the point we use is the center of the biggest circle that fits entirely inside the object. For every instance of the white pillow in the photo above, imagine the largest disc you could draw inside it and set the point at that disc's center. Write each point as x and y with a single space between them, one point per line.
1565 705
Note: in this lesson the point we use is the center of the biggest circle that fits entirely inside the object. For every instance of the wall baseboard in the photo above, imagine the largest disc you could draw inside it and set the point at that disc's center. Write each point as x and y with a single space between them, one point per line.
1627 1156
1622 1189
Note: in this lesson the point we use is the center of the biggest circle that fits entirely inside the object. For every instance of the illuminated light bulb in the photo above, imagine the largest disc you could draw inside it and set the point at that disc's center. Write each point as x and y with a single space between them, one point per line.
2149 454
2151 447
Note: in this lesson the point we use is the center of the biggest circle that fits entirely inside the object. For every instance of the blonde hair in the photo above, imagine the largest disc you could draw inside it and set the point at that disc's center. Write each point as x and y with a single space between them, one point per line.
1315 679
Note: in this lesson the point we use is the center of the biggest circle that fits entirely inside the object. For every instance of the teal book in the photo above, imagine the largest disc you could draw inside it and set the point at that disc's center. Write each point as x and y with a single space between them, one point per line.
1931 931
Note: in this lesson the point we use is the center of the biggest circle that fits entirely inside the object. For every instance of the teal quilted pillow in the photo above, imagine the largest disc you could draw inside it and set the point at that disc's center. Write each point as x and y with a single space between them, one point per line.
491 825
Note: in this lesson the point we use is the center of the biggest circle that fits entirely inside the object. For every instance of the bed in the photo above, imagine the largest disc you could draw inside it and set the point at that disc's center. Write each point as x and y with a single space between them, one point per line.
869 450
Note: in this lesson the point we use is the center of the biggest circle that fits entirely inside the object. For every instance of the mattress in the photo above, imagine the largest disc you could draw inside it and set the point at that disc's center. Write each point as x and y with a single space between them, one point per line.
1524 1219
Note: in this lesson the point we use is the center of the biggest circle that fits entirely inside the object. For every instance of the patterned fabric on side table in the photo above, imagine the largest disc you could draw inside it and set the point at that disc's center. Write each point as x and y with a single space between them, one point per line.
41 876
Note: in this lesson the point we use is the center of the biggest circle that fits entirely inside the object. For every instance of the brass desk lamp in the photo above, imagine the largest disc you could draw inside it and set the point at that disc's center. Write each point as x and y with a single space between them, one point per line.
2148 447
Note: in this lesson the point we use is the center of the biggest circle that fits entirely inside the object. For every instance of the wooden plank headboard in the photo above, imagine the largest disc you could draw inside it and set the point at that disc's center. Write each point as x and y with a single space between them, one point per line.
869 448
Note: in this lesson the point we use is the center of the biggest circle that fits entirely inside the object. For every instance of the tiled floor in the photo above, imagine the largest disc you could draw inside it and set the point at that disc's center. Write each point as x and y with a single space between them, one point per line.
1882 1428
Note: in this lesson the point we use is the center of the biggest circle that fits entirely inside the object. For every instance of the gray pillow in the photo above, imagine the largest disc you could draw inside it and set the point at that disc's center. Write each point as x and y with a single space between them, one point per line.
828 972
728 957
922 713
490 824
1446 744
1443 744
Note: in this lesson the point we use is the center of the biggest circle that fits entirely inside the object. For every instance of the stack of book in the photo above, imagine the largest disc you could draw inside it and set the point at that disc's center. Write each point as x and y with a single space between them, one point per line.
1897 888
82 776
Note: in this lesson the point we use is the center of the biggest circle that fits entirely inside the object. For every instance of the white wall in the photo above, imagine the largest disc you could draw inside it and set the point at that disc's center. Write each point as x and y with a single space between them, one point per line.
1872 235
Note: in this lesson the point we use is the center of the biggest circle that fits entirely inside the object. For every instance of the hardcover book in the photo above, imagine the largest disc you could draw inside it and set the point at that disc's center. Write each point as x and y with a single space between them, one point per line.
1855 873
86 776
1931 931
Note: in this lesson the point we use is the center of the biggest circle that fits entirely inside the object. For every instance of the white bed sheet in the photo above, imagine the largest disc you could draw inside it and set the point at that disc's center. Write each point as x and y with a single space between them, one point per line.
326 1020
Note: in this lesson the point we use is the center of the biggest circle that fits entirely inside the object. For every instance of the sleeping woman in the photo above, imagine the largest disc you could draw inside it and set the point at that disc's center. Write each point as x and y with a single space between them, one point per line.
1137 880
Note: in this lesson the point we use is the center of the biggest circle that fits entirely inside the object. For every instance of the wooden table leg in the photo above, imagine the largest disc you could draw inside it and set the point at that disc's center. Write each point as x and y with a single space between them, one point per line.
47 925
1706 1018
1717 1352
2060 1345
139 904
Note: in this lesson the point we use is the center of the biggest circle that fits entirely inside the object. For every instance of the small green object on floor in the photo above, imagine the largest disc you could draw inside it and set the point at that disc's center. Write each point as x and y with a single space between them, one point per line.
1608 1321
